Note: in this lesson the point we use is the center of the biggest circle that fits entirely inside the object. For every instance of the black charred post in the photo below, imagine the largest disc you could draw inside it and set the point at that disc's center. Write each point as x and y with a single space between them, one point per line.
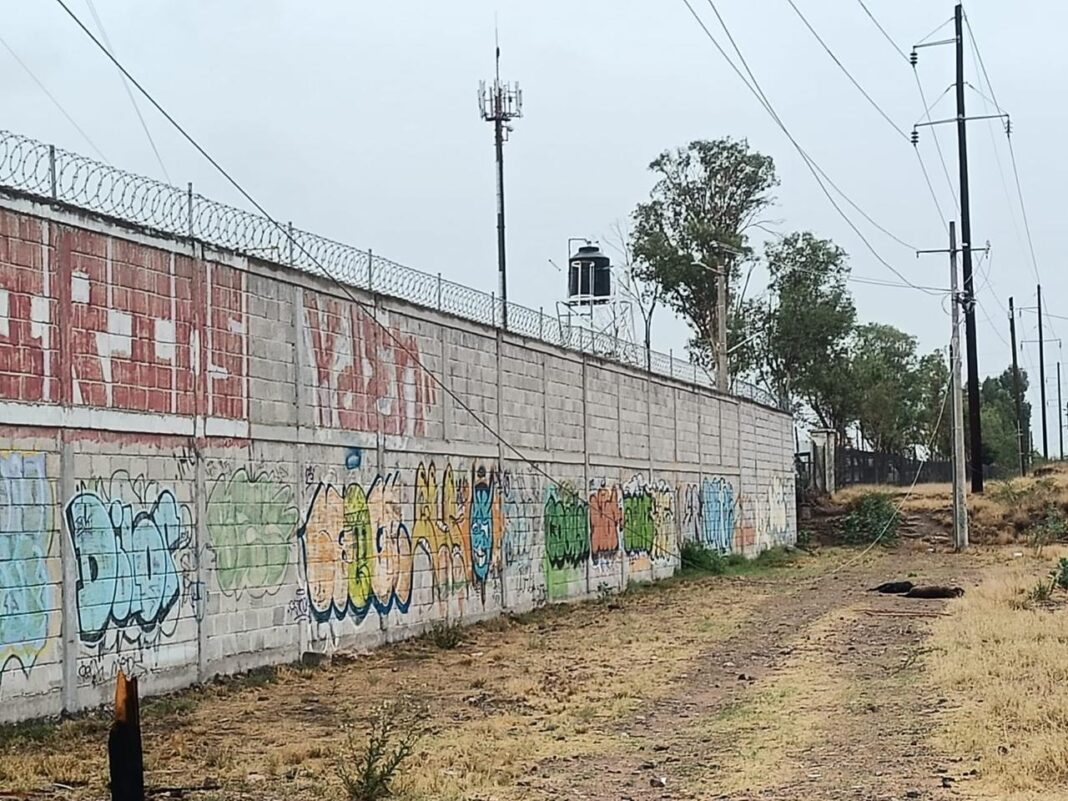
125 758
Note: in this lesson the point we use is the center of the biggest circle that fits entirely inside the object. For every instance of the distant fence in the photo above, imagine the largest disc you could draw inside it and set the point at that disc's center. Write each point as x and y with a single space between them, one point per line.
47 171
852 466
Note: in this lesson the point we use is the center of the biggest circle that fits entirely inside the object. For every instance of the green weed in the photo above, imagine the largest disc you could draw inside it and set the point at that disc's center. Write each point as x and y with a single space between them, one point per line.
872 517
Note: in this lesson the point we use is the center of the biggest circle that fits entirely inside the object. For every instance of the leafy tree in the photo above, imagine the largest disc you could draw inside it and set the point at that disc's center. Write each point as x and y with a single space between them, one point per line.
706 197
803 347
934 407
885 366
998 415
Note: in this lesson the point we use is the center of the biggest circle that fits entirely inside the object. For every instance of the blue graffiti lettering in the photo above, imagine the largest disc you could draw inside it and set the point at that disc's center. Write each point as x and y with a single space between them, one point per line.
26 594
482 533
717 513
127 575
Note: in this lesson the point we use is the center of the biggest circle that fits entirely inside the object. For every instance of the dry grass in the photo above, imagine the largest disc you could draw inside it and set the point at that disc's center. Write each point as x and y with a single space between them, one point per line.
1006 513
517 692
1003 664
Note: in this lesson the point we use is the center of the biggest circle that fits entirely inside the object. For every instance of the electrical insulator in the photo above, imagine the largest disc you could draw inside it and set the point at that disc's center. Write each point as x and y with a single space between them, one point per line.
915 137
914 57
1008 126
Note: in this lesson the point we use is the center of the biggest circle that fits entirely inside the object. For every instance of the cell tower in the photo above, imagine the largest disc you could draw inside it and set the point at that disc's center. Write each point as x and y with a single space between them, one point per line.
500 103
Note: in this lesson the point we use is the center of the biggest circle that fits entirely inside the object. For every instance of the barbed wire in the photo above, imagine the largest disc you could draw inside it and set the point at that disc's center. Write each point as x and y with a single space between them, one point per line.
37 168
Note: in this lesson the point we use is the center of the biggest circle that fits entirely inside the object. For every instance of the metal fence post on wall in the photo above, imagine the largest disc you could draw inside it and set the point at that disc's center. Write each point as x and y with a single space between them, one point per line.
370 270
493 309
189 208
289 235
439 291
52 171
671 362
541 323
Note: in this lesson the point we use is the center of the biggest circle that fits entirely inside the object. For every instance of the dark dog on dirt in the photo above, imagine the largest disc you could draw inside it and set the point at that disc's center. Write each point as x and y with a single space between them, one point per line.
893 587
935 592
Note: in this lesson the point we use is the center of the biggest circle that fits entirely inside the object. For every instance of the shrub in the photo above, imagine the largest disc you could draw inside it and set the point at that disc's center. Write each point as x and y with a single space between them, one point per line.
1041 592
368 768
1060 574
872 517
805 538
696 558
1050 528
446 634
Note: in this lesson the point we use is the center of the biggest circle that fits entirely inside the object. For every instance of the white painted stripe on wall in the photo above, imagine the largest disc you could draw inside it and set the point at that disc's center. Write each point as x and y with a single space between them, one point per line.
47 416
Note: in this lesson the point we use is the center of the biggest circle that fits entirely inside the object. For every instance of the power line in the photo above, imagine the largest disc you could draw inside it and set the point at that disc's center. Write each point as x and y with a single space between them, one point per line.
859 279
897 129
923 98
129 93
52 97
847 73
763 98
1012 156
812 166
992 100
934 133
882 30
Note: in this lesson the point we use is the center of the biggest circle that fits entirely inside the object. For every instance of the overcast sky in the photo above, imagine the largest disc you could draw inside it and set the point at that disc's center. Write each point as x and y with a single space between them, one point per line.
359 121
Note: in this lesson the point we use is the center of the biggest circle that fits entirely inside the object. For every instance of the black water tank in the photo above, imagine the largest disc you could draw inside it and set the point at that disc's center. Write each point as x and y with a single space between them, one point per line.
590 275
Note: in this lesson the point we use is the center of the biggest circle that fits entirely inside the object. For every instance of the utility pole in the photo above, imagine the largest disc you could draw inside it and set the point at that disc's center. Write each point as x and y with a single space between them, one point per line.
966 252
960 502
963 299
1020 444
1060 410
500 104
968 296
723 383
1042 376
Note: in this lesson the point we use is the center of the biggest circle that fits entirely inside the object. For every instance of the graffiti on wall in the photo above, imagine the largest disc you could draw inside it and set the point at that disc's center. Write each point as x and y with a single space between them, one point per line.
26 589
520 508
441 527
709 513
486 525
567 539
362 373
606 521
649 525
359 553
638 532
111 323
128 537
251 520
776 522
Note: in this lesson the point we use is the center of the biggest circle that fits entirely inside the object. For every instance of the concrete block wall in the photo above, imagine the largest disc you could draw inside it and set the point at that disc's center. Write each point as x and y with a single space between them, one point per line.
210 463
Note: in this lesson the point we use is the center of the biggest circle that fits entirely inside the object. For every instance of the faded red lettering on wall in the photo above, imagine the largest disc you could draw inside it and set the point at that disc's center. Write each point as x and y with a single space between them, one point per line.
92 320
28 343
363 371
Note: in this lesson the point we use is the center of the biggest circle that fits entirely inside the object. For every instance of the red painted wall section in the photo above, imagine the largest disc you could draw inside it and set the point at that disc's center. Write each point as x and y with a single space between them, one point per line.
88 319
363 373
28 341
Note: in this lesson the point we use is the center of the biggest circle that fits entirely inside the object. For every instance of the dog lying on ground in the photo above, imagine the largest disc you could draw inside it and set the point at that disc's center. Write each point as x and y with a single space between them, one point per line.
935 592
893 587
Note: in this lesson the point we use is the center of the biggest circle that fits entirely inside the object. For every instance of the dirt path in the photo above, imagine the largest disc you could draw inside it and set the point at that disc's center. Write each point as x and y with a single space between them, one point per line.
773 686
821 700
